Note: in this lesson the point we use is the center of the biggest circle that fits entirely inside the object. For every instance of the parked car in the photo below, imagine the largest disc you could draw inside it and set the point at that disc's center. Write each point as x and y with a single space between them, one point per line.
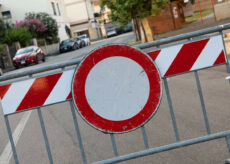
80 42
85 39
28 55
68 45
128 28
119 30
111 32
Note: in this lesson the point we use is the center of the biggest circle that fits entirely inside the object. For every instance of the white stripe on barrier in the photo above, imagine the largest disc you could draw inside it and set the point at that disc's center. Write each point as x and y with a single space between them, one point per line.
210 53
15 95
61 89
167 55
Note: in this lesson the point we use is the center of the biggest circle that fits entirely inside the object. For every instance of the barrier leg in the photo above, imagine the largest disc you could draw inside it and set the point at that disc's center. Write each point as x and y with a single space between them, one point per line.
11 139
225 52
202 103
228 143
227 161
145 137
114 145
45 135
78 133
171 110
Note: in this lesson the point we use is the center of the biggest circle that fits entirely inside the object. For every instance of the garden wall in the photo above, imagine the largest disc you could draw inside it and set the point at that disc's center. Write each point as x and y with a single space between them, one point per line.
222 11
50 49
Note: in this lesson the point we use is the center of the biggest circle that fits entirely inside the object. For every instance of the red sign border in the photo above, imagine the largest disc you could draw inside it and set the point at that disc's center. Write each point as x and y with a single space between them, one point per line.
99 122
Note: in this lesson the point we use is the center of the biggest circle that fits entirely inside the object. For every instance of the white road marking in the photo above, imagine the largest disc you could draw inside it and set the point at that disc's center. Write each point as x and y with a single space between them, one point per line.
7 152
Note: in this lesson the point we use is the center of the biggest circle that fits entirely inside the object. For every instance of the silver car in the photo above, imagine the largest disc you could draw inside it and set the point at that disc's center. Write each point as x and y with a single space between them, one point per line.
85 39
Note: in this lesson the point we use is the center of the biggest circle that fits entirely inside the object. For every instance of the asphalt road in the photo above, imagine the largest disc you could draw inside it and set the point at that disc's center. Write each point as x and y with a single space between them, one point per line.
63 140
125 38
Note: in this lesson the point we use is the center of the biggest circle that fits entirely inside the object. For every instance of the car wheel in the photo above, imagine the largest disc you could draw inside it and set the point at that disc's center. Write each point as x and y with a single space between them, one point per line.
16 67
44 58
36 61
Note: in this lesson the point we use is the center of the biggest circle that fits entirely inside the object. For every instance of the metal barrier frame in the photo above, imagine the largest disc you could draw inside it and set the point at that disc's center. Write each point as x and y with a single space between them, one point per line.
8 79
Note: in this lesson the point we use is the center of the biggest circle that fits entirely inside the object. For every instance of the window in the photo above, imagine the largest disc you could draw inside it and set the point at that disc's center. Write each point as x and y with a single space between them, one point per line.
54 9
59 12
6 15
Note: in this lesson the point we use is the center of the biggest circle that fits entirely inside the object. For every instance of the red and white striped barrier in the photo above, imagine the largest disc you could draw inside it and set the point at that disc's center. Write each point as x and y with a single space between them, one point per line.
36 92
56 88
190 56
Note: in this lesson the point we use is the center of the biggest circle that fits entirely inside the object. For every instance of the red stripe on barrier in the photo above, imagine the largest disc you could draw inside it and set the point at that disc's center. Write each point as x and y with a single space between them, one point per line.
39 91
154 54
221 58
186 57
69 96
3 90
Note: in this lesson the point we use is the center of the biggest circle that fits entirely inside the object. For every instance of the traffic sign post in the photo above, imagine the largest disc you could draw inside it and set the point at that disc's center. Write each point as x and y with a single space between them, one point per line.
117 88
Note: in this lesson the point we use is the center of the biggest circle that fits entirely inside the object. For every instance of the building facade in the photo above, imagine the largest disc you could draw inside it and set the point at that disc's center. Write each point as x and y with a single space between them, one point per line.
14 10
82 18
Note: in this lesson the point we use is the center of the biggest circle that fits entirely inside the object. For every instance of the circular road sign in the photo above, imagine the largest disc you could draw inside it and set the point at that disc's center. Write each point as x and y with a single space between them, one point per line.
117 88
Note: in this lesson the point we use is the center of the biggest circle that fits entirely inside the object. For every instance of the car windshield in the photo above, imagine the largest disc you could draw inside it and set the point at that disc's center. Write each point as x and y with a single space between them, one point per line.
82 37
109 30
66 41
24 51
77 38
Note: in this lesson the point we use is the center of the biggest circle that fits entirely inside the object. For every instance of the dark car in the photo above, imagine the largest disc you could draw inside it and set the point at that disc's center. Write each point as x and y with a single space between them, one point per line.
80 42
128 28
28 55
68 45
119 30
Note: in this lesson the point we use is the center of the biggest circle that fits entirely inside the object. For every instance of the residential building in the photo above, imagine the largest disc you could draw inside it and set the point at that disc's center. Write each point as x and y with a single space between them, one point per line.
82 19
101 17
15 10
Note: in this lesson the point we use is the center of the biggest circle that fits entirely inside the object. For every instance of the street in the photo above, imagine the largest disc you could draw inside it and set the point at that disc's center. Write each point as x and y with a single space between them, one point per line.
63 141
125 38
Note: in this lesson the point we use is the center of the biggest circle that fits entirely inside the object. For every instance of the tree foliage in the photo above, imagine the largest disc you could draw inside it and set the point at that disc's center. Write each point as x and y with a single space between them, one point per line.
51 33
20 34
34 26
4 29
123 11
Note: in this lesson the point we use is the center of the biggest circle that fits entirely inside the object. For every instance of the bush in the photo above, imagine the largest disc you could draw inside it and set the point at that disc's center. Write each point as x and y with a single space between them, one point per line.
4 28
34 26
50 23
41 42
20 35
1 50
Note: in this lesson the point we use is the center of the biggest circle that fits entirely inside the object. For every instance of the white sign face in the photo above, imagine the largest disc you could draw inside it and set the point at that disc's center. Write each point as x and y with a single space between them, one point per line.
116 88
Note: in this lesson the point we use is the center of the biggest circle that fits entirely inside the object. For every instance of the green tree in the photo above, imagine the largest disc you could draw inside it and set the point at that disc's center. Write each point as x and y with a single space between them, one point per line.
124 11
4 29
19 34
51 32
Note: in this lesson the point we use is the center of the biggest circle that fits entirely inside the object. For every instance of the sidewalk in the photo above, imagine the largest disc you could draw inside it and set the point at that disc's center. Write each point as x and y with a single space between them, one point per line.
208 21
